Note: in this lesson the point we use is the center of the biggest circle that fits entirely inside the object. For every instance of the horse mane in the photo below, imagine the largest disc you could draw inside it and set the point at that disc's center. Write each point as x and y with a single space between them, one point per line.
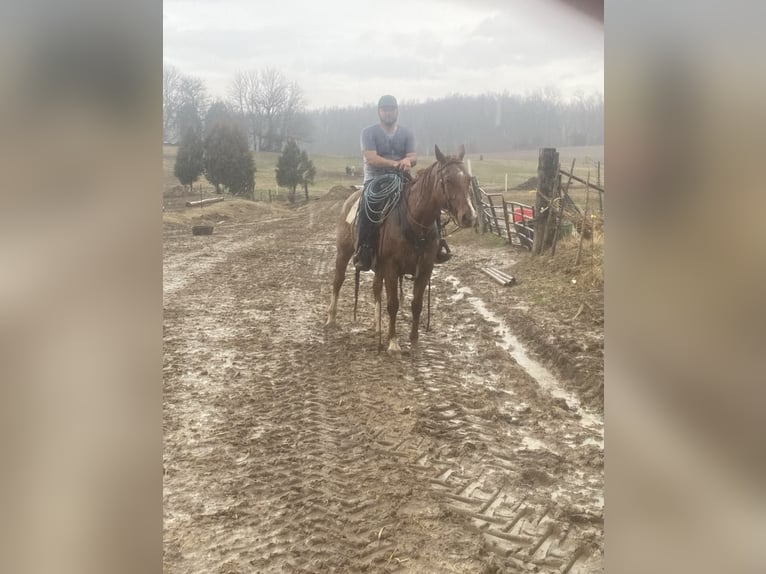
427 172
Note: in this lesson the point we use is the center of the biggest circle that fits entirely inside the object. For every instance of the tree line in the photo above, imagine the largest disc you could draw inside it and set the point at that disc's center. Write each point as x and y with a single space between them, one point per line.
266 105
217 149
484 123
266 112
270 109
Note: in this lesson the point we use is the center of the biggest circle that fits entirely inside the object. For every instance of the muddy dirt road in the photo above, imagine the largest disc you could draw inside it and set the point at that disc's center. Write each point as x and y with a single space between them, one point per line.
291 448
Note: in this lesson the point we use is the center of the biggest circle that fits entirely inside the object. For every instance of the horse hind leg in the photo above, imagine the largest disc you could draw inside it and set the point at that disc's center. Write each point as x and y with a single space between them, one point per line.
377 291
341 262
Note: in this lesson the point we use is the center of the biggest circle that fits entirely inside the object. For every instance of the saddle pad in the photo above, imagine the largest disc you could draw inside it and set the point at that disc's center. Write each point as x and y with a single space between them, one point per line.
351 217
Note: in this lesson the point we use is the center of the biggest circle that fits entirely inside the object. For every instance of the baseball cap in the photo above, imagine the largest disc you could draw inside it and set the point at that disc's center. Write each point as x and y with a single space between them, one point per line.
387 100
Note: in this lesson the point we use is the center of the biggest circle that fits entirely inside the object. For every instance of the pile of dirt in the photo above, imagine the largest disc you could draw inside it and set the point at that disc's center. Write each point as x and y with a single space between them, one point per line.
232 209
529 185
338 192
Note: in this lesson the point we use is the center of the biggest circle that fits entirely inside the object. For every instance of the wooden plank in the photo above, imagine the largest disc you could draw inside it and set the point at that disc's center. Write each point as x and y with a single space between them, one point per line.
202 202
505 217
584 221
592 185
503 278
560 217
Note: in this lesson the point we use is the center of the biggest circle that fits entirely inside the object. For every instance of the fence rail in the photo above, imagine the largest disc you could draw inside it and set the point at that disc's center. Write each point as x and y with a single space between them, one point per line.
510 220
516 222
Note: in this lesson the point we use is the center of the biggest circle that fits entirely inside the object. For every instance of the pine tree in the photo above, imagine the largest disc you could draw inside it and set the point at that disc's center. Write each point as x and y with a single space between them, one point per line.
228 161
288 169
189 164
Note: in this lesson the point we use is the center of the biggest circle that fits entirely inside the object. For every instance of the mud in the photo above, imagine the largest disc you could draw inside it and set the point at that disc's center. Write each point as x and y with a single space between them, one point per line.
292 448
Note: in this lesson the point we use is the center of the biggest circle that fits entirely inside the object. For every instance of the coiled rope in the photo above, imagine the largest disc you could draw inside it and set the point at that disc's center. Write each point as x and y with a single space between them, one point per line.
380 195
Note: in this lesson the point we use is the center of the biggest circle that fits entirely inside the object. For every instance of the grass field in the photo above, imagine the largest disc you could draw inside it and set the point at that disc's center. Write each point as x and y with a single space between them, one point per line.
489 169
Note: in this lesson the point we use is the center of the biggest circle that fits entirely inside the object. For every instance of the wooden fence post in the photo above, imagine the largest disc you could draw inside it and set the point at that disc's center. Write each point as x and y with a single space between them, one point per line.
547 177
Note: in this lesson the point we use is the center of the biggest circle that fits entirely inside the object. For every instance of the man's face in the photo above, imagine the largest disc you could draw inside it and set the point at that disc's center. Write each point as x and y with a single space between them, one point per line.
388 115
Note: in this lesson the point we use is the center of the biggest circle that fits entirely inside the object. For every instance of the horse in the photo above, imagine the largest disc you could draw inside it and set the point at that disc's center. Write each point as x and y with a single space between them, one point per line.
408 240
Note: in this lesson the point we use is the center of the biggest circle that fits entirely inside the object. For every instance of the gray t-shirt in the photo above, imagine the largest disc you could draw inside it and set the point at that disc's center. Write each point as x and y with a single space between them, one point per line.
395 146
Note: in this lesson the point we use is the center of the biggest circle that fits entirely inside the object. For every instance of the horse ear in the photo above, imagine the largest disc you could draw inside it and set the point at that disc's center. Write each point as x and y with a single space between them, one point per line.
462 152
439 155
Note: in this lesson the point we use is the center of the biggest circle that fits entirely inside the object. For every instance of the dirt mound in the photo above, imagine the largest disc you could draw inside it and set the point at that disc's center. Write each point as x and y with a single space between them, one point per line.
528 185
338 192
233 209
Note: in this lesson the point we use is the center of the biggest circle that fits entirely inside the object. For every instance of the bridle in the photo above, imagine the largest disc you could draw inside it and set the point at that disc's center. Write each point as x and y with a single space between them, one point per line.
443 185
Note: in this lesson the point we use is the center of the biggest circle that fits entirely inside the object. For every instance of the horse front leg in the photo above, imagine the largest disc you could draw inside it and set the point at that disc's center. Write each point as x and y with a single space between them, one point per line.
417 305
377 292
392 296
341 262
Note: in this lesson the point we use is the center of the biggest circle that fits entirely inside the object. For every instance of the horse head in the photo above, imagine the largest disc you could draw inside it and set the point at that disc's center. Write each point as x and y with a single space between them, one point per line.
455 184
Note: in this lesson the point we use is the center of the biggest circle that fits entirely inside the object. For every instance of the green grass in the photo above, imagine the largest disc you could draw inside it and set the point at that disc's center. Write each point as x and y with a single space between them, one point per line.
522 165
490 171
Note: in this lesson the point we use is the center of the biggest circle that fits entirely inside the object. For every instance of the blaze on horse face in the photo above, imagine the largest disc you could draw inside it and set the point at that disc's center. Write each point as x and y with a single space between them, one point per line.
456 187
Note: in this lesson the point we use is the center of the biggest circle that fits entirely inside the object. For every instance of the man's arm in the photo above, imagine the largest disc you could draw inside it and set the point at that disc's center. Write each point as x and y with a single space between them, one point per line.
372 157
410 159
404 164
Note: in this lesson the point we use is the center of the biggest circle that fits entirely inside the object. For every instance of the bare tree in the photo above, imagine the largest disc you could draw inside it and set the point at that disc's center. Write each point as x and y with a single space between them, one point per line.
294 124
243 92
271 100
171 96
178 90
272 107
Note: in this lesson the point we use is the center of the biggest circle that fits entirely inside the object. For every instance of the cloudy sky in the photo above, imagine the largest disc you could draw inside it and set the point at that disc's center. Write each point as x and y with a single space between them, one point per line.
344 52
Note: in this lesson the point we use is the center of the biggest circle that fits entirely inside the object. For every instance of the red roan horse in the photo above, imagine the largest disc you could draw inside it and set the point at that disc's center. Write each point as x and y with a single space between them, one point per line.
407 242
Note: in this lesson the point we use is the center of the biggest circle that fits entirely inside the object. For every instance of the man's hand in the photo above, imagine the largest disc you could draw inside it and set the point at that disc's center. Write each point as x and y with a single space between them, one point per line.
403 164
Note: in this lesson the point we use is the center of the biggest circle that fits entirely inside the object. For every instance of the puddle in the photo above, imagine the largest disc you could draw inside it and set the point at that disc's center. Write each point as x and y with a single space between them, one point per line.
509 342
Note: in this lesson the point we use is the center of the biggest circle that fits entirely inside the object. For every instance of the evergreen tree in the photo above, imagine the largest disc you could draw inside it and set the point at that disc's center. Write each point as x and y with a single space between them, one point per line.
219 112
228 161
188 118
190 159
288 169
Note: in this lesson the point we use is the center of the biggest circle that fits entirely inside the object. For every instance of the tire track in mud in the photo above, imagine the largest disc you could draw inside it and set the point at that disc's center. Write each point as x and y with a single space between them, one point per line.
496 466
292 448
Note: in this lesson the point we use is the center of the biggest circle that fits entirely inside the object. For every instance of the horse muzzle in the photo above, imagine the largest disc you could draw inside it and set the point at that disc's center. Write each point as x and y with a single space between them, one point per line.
467 220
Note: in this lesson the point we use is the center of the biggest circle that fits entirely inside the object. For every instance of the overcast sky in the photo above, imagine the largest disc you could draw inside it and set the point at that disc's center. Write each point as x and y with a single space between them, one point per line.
347 53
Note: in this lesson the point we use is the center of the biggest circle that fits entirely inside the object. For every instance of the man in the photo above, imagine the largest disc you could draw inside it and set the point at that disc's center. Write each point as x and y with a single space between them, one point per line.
386 147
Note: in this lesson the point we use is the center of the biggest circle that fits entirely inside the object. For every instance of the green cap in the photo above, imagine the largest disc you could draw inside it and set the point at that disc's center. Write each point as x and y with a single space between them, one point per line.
387 100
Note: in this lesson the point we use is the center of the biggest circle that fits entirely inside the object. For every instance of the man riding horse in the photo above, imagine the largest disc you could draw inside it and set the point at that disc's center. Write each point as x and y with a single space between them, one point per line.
389 155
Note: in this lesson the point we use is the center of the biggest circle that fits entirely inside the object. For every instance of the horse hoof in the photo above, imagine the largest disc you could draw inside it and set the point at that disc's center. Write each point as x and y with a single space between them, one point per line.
394 349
